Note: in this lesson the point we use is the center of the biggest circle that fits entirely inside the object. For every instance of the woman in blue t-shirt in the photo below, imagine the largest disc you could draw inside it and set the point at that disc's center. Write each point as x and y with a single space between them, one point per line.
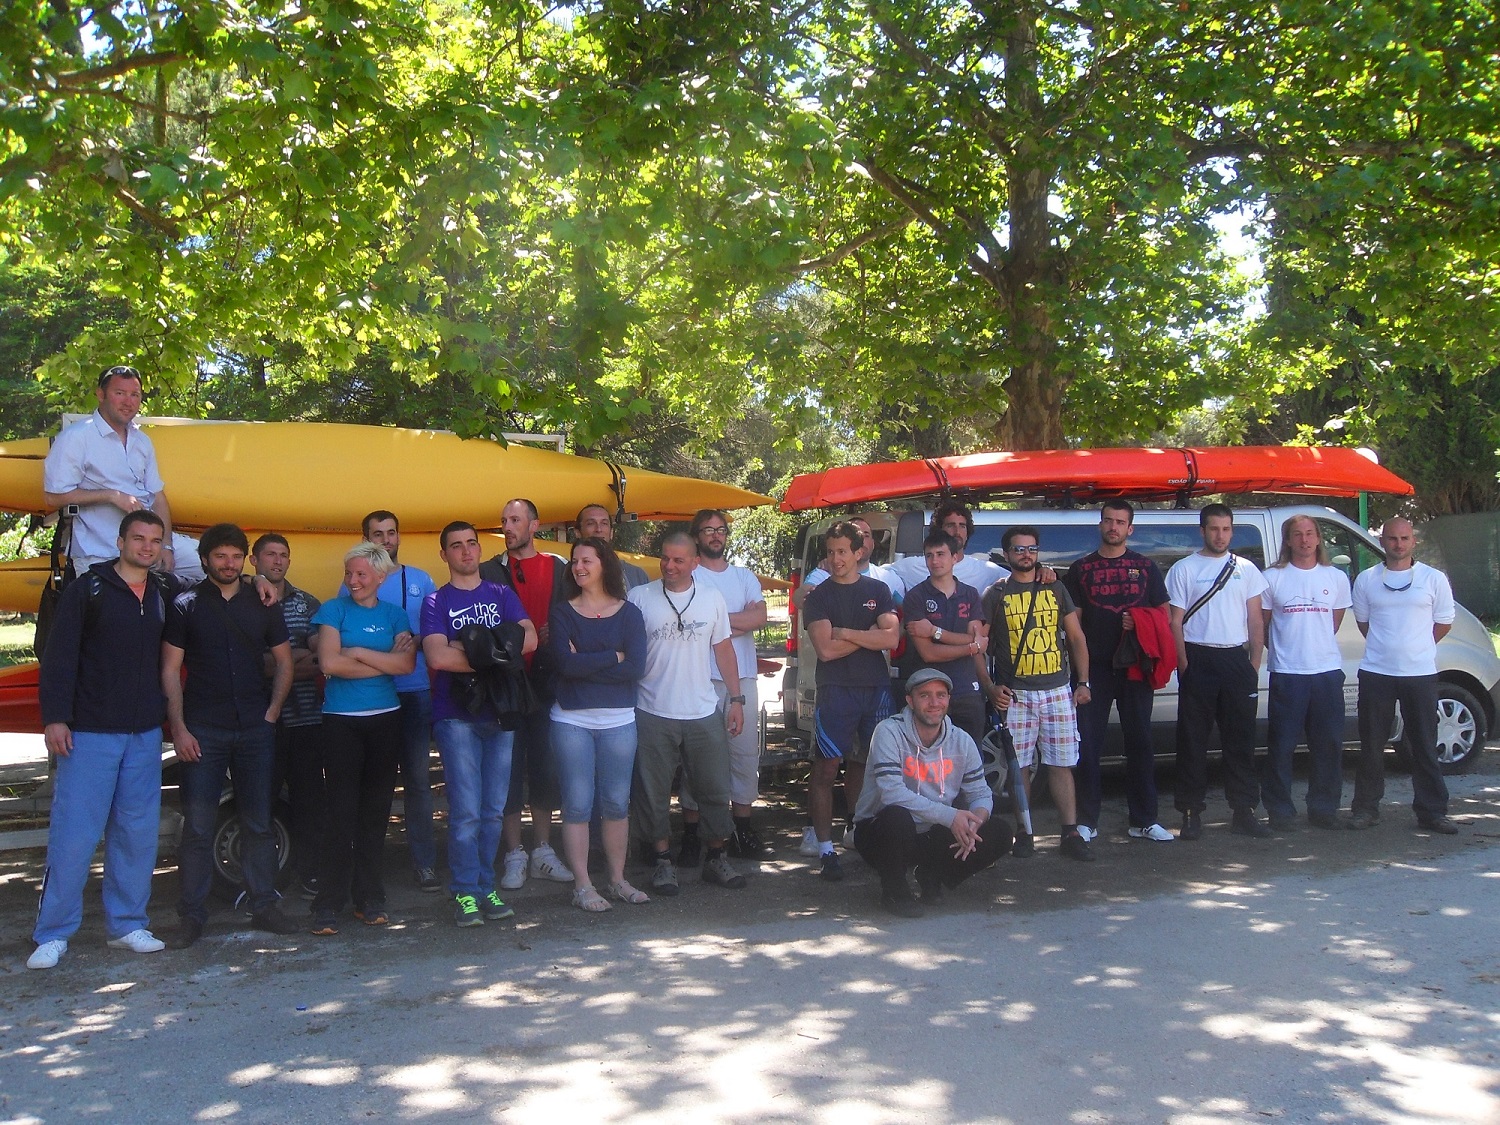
363 644
598 645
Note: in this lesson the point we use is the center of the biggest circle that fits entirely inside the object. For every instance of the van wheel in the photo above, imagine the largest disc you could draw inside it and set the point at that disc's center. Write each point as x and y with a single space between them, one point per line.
1461 733
229 876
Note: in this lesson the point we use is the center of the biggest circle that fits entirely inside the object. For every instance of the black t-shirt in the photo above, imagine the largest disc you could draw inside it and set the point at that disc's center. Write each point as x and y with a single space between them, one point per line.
1104 588
223 644
853 605
925 602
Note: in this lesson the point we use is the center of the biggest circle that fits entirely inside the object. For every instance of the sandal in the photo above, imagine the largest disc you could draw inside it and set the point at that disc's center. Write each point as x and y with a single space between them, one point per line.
626 893
373 916
586 898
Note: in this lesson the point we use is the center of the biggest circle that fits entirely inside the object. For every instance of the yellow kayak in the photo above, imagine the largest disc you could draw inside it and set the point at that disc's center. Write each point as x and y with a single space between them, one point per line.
325 477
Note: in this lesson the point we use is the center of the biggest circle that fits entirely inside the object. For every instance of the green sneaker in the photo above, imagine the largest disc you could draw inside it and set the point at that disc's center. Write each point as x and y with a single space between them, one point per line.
466 911
494 908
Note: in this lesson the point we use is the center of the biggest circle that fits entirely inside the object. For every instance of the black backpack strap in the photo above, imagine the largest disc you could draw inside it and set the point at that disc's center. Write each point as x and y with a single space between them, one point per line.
1219 583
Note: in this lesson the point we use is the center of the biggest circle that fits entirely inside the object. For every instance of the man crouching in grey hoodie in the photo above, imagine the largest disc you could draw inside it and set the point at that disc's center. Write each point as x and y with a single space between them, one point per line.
925 802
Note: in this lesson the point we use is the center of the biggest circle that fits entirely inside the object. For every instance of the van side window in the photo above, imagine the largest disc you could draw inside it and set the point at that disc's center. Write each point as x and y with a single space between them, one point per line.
1346 548
1165 544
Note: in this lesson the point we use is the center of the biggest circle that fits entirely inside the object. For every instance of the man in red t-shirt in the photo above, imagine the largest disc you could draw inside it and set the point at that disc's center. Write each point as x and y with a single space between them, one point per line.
537 580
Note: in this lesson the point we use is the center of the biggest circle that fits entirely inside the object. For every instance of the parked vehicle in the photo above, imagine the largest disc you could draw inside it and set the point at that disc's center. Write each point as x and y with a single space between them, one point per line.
1468 668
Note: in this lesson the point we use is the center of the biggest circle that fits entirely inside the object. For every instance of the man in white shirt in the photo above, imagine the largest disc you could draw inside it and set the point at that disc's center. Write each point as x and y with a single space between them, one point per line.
677 717
972 570
1404 609
740 589
1219 628
107 467
1304 605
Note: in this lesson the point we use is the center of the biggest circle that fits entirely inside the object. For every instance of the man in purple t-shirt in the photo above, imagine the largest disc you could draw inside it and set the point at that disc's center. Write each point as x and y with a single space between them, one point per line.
474 748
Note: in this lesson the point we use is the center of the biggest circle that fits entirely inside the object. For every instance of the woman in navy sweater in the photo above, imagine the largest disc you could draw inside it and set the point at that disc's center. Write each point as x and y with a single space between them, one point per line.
598 644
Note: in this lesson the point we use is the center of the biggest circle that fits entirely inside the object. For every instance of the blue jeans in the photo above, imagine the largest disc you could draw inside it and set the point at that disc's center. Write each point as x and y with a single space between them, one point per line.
1313 704
109 786
416 780
592 763
476 772
249 756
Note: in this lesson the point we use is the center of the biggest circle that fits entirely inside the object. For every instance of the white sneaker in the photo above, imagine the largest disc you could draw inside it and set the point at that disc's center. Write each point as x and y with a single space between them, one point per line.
138 941
545 864
515 870
810 846
1088 833
1152 832
46 954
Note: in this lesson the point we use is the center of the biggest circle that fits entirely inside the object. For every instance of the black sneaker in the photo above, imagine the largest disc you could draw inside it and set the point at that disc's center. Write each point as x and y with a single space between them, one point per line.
900 901
690 852
189 930
273 921
1281 823
1192 826
1246 823
1442 825
1024 847
745 843
830 868
427 880
494 908
1076 847
929 884
1325 820
466 911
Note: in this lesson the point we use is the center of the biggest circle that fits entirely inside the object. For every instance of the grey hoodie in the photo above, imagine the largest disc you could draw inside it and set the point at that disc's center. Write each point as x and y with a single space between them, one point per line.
926 780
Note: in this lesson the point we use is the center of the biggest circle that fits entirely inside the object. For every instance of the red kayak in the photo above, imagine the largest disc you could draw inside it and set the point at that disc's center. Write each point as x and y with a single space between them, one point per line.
20 710
1091 475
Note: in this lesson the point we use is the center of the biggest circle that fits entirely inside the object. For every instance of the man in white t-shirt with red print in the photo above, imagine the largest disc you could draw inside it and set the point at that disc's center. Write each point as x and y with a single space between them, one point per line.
1404 609
1219 628
1304 605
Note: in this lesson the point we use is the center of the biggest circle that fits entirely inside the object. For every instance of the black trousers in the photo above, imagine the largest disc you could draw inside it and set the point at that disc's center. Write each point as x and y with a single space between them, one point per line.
890 843
1417 695
1218 687
1111 687
299 766
361 757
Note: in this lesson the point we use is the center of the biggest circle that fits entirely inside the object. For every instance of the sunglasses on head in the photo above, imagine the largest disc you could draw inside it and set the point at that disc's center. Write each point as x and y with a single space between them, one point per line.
120 371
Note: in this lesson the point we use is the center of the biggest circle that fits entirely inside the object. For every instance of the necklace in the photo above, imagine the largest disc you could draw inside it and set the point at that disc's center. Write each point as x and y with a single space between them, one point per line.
681 624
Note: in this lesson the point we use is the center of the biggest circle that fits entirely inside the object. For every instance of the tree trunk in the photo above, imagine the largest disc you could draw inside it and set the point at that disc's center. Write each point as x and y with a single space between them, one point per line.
1033 418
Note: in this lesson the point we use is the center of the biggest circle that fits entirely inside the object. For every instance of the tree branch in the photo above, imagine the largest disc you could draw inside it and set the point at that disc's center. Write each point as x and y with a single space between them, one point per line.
77 79
842 251
911 196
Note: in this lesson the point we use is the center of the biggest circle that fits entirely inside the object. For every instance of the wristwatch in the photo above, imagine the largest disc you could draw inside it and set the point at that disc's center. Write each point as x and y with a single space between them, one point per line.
1084 683
740 699
937 636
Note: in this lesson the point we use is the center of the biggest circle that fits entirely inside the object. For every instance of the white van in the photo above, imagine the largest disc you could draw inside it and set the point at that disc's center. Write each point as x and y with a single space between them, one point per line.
1469 670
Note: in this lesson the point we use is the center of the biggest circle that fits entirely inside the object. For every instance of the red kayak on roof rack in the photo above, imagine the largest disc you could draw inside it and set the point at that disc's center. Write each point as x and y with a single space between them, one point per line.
1091 475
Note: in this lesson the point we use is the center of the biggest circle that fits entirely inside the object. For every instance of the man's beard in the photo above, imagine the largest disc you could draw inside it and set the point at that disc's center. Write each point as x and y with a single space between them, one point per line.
710 552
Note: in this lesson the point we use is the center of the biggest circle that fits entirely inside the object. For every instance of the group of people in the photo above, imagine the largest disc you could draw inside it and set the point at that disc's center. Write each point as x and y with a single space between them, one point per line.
1052 658
587 692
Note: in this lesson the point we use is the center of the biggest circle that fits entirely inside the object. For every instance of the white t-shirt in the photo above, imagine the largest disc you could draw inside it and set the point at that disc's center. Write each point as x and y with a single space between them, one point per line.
681 631
971 570
1400 639
1302 604
739 588
887 574
1222 621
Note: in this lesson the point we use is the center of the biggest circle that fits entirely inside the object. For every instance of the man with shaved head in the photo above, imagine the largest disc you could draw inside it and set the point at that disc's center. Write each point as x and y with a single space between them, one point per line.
1403 608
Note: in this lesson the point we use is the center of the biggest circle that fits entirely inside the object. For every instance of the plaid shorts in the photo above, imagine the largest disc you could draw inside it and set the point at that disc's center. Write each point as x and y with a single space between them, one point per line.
1045 717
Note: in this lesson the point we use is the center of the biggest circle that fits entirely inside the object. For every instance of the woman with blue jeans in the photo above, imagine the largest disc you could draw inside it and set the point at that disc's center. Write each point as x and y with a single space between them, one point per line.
598 643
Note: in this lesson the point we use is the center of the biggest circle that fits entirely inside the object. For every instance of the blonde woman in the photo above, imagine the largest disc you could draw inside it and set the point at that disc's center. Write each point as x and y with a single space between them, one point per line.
363 644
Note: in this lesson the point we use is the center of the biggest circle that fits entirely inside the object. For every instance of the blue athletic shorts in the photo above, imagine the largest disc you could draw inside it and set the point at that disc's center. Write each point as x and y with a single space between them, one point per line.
845 719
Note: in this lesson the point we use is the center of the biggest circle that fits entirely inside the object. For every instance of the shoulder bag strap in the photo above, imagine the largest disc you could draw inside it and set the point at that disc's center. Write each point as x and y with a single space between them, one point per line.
1219 583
